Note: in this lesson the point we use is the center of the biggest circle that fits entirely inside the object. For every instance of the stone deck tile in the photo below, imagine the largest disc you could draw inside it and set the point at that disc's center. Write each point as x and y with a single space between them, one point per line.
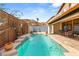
70 44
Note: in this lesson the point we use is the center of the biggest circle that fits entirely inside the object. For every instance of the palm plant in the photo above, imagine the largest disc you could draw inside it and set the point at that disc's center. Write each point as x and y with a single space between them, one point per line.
37 19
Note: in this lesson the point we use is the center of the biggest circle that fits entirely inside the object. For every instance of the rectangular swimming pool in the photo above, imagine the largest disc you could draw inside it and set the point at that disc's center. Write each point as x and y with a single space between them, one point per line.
40 45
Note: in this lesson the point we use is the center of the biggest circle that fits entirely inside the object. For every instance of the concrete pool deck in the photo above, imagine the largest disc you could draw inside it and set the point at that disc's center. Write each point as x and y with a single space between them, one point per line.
72 46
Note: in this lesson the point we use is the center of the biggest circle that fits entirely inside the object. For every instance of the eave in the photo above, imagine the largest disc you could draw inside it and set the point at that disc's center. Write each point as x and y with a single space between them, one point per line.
65 13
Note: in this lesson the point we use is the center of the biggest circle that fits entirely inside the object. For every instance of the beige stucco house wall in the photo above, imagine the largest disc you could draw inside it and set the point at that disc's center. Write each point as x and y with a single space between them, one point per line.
64 9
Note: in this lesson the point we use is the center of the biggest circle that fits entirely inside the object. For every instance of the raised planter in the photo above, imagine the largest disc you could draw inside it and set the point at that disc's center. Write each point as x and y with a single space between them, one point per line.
8 46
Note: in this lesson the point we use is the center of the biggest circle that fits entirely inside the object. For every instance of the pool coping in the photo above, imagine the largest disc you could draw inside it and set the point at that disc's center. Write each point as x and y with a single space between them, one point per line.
21 39
55 41
13 52
71 51
17 42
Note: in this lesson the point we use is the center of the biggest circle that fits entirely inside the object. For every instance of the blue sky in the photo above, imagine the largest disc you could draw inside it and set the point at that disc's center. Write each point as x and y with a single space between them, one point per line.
43 11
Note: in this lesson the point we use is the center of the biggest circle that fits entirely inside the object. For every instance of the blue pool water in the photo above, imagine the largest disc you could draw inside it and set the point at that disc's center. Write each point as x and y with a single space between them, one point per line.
40 45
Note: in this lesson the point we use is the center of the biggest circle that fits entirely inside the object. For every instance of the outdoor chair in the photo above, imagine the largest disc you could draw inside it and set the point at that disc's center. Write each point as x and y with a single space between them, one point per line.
70 34
61 32
76 33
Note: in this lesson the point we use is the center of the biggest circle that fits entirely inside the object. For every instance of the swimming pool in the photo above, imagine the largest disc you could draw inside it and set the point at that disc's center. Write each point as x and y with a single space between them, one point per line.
40 45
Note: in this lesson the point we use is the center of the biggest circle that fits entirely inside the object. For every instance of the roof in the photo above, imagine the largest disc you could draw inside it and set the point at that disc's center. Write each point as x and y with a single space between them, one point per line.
65 13
58 11
61 7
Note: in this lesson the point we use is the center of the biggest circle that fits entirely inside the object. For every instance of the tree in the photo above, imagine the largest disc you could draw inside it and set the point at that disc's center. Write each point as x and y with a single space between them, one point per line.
16 13
37 19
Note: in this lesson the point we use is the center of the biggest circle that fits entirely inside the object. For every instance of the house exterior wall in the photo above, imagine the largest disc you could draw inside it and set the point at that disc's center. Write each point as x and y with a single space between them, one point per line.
7 35
50 29
23 28
2 39
57 27
11 28
13 22
10 35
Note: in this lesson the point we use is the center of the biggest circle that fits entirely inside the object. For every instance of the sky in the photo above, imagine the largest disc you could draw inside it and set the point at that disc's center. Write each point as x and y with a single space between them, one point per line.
43 11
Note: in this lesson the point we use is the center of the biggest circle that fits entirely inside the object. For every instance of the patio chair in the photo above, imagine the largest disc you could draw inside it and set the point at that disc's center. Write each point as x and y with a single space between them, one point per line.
61 32
76 33
70 34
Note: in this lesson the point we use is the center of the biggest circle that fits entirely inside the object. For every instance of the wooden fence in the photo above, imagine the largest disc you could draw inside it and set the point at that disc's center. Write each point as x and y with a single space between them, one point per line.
7 35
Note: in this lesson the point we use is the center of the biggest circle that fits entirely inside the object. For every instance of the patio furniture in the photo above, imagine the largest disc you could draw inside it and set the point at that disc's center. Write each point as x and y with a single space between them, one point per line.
70 34
76 30
76 33
61 32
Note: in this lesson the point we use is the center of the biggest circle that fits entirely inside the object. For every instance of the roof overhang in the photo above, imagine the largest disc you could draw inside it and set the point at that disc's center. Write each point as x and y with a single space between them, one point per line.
65 13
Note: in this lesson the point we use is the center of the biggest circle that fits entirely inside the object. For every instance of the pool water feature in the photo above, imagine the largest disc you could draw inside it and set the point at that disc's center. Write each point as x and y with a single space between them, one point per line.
40 45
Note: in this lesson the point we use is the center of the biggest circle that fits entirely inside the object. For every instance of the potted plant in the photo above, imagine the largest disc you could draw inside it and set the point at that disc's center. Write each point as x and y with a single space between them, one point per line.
8 46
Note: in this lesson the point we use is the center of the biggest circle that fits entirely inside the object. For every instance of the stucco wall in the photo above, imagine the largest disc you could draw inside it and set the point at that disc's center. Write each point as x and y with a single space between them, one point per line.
7 35
11 28
2 41
57 27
